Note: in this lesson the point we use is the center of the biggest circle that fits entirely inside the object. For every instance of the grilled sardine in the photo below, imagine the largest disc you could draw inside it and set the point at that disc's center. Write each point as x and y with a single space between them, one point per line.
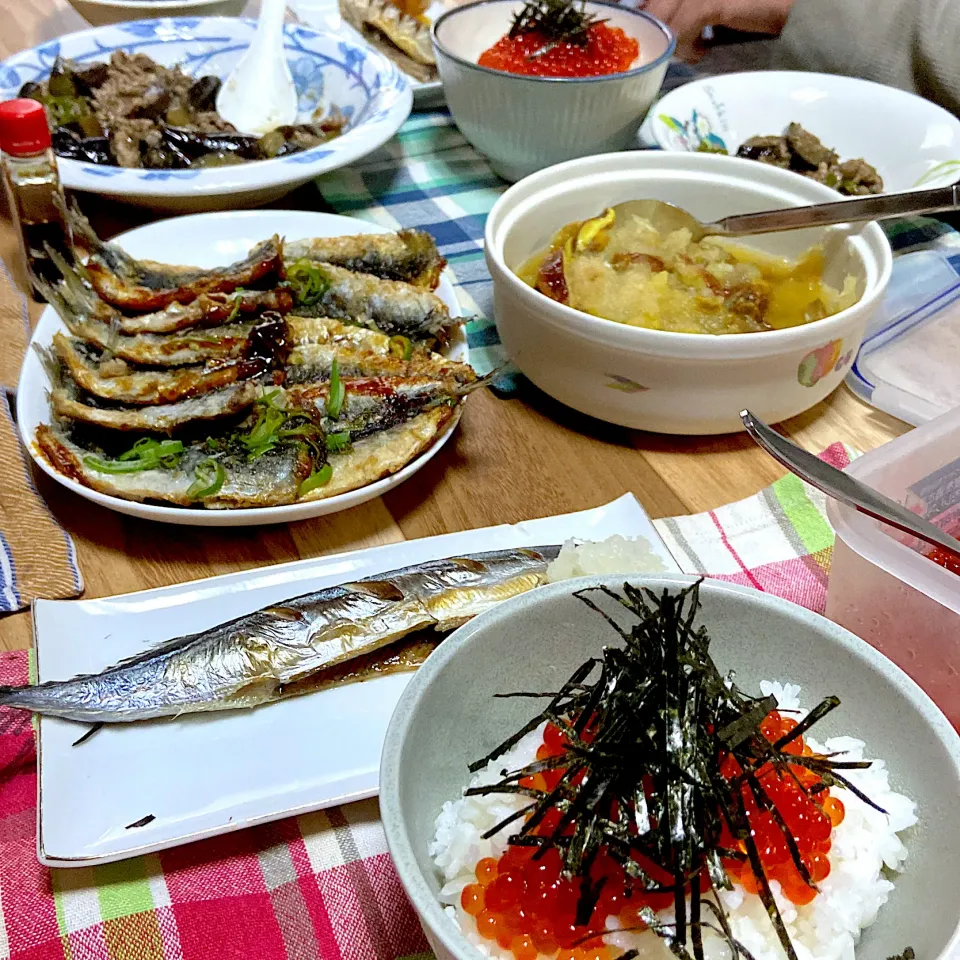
229 401
144 286
402 38
409 255
270 480
389 306
114 380
208 310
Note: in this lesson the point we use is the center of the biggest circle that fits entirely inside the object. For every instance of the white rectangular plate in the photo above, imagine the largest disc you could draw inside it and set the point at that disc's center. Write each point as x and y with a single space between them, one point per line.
203 775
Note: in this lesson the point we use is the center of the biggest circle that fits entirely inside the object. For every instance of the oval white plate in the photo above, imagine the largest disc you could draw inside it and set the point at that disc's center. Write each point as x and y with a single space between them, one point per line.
327 69
904 136
209 240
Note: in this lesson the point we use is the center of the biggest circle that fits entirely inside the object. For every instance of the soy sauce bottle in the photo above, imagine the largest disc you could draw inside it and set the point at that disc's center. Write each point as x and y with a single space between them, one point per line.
33 187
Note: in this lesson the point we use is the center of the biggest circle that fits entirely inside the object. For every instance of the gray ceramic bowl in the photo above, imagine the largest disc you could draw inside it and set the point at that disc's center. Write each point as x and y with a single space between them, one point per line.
447 717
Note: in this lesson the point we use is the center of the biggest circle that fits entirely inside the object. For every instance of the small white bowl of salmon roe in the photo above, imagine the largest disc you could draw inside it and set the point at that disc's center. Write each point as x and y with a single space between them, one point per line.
529 98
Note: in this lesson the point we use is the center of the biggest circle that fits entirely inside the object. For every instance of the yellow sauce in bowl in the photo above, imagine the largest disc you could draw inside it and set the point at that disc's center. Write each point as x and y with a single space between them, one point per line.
624 270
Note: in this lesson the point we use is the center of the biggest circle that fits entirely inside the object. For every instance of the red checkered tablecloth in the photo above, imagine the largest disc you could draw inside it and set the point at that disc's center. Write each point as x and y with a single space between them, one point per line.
320 885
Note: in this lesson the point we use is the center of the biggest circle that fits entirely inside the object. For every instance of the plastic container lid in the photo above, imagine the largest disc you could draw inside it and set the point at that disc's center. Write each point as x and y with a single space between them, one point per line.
908 361
23 128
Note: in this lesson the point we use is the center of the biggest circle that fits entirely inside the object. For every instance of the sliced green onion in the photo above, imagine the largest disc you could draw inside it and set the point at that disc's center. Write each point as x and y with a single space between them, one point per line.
401 347
308 282
118 466
234 313
337 392
209 475
264 435
145 454
338 441
308 430
318 478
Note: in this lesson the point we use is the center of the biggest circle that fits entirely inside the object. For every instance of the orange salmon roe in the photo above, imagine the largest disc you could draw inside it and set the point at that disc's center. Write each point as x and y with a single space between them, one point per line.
528 908
607 50
810 821
945 558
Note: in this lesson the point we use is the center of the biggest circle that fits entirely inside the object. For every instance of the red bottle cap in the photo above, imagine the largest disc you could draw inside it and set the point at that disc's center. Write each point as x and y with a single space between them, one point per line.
23 128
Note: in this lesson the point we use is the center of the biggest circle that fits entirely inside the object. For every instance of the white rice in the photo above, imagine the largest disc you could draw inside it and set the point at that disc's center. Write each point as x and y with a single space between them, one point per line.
616 554
863 846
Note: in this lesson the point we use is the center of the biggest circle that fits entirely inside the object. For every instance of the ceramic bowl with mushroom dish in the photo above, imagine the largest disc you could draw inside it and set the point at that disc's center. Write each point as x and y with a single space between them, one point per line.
658 333
524 122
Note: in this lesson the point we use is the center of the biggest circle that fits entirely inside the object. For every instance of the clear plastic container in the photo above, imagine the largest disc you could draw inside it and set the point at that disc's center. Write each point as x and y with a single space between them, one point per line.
884 590
908 361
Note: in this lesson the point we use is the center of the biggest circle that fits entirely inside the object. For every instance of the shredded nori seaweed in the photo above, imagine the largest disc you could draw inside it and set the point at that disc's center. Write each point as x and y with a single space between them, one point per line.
648 725
558 21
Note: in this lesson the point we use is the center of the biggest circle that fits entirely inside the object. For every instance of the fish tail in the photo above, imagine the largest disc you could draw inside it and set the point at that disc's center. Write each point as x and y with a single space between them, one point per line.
15 697
84 235
43 698
55 370
463 389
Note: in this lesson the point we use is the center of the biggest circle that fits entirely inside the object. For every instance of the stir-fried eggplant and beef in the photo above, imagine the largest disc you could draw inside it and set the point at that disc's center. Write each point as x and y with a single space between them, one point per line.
135 112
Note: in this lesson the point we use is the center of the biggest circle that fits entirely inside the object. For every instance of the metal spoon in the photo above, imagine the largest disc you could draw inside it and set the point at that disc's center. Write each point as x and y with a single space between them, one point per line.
841 486
666 217
259 95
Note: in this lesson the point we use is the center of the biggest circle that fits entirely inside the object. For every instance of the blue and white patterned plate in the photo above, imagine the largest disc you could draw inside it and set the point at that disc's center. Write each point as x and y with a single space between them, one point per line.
369 89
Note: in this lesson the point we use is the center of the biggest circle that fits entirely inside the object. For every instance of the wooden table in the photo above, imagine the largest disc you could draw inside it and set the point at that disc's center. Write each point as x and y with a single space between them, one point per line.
510 460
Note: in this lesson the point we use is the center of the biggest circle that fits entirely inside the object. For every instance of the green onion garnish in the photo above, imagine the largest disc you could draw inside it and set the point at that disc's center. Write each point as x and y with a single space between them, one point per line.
337 392
209 475
318 478
401 347
265 432
336 442
145 454
308 282
236 306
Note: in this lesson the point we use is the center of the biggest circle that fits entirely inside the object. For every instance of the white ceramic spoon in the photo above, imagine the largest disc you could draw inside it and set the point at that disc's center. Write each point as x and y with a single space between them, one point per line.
259 95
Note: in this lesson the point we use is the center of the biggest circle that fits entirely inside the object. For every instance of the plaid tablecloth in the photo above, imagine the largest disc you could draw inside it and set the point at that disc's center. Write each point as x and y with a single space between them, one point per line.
322 885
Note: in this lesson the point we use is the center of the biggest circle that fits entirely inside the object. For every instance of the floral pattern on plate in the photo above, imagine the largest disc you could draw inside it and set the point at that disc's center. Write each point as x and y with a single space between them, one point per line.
327 70
695 134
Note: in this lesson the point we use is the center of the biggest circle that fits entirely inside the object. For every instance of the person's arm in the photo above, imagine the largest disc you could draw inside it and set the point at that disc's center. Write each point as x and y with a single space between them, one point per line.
687 19
911 44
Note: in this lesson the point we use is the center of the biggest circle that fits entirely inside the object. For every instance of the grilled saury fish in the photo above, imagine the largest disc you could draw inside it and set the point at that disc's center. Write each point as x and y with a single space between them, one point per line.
284 649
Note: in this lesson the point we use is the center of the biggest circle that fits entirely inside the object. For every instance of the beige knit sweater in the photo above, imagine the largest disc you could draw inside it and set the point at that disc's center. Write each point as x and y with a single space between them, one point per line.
911 44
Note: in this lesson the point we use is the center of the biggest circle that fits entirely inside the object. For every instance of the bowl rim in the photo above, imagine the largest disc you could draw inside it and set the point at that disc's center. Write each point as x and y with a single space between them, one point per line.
667 33
797 76
667 343
393 98
153 4
398 842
